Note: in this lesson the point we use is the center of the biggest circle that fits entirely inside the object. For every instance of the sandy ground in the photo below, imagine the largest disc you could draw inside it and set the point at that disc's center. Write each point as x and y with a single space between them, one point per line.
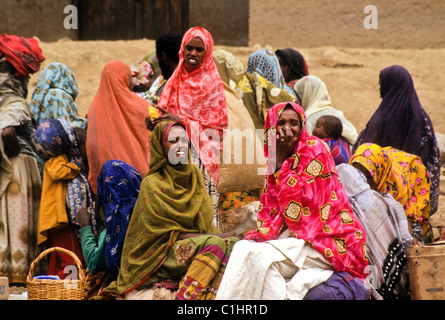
351 74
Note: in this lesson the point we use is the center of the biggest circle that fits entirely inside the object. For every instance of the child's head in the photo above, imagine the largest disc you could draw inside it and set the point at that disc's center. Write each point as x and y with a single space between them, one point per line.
328 127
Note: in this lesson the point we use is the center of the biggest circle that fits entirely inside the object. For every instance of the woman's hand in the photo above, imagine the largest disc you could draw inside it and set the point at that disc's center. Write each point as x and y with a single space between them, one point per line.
166 116
83 217
286 141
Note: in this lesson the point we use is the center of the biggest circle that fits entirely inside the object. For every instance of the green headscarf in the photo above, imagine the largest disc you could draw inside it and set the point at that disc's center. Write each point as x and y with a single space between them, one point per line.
172 200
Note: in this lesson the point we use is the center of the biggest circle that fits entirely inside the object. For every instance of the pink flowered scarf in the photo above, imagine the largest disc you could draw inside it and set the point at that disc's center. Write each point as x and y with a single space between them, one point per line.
198 97
307 197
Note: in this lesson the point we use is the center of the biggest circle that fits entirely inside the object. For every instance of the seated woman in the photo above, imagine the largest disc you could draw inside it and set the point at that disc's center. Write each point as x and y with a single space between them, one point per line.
403 176
117 192
265 63
313 96
293 65
411 128
387 235
54 98
308 241
171 241
258 93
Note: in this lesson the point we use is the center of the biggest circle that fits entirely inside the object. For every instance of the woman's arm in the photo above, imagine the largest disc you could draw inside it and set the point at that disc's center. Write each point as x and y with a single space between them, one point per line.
10 141
151 123
93 252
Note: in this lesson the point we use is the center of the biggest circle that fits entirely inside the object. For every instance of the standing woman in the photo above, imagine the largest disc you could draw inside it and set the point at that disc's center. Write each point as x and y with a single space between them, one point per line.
115 129
194 94
20 183
55 94
411 128
54 98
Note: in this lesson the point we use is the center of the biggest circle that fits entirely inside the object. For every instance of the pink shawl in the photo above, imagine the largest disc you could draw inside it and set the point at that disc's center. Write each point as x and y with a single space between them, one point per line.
198 97
307 197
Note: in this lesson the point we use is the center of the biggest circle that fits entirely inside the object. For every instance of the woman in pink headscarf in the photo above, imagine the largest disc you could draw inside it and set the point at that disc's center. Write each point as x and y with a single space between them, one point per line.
194 94
308 243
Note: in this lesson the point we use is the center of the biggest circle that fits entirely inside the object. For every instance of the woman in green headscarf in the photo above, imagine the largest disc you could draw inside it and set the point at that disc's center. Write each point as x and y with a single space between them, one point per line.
171 241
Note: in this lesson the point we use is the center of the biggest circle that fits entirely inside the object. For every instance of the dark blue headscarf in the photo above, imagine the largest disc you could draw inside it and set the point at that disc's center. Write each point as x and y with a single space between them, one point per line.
117 188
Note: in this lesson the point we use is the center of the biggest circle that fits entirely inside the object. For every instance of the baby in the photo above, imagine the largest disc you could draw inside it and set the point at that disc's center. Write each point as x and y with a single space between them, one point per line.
329 129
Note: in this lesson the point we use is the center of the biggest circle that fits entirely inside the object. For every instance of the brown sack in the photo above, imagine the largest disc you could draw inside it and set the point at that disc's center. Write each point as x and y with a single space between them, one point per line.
236 175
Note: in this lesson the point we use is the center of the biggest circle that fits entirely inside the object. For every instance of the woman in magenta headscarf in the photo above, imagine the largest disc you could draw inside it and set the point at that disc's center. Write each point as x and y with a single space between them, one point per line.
304 216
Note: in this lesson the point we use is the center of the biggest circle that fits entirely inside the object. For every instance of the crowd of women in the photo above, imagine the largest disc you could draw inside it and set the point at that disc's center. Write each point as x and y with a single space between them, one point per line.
136 198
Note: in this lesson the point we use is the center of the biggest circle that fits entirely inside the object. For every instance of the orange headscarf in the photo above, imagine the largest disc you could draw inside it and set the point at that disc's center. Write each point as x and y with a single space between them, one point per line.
116 127
198 98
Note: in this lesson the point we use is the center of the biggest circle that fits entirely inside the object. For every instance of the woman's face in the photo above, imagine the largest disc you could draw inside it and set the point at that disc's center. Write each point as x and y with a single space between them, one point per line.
194 53
366 173
176 145
288 126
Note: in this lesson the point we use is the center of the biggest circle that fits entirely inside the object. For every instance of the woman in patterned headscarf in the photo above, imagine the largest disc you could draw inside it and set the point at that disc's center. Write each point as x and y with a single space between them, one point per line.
65 189
403 176
54 96
305 206
20 183
265 63
117 192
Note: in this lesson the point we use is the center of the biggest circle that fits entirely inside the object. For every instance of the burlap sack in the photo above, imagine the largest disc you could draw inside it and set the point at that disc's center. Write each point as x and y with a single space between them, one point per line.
242 164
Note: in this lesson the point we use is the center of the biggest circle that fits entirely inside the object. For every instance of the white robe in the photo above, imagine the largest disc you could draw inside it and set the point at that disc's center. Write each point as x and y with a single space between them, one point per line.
279 269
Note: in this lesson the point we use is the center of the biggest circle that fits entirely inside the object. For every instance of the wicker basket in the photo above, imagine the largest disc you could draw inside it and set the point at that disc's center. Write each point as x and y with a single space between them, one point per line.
67 289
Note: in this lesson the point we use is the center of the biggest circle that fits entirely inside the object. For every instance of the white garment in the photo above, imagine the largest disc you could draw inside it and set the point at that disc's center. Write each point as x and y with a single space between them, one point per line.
272 270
